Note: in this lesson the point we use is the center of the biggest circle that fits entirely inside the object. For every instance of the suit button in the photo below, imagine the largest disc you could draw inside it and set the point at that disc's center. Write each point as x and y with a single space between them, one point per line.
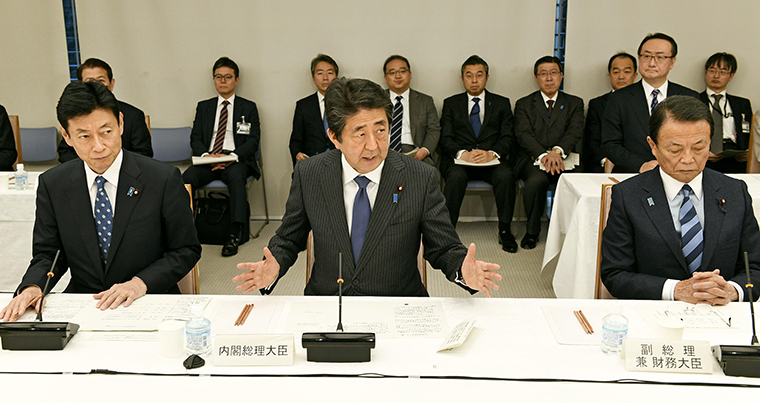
356 282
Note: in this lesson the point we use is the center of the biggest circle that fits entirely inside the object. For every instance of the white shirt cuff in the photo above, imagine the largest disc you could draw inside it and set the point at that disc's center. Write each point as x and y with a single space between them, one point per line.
540 157
459 154
739 290
669 289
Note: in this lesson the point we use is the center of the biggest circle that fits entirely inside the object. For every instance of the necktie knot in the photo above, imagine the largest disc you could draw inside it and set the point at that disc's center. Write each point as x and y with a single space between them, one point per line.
717 97
398 98
100 181
655 92
476 100
686 190
225 103
362 181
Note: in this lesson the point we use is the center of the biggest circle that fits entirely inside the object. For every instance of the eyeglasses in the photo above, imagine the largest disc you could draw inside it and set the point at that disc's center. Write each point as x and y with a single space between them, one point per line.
394 72
553 74
658 58
219 77
723 72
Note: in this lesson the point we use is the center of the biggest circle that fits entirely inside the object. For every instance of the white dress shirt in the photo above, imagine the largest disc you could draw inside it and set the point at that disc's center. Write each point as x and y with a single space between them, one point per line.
648 92
350 187
229 137
406 123
321 99
111 175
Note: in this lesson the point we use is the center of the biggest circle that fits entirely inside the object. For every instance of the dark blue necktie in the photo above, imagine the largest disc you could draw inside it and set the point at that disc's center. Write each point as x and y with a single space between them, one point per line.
691 232
655 93
360 218
396 123
475 117
103 218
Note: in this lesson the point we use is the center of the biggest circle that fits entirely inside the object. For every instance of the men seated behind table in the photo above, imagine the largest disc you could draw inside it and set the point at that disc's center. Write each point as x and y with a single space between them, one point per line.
621 70
626 117
548 126
731 115
8 153
369 205
679 232
217 134
136 137
309 135
476 128
121 221
415 126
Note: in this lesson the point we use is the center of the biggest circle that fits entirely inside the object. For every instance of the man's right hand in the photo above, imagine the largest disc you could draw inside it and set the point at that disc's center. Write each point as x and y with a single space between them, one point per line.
714 157
259 275
707 287
301 156
648 166
30 296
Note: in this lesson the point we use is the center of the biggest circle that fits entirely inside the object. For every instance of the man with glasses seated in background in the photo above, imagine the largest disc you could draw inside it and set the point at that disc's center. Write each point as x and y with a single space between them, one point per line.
626 118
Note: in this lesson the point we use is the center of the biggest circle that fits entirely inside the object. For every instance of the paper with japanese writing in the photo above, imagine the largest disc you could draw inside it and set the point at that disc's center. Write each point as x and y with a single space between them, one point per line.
457 335
253 349
682 356
700 317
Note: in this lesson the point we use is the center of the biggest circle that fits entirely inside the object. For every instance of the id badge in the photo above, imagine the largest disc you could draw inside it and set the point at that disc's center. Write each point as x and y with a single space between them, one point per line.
243 127
745 125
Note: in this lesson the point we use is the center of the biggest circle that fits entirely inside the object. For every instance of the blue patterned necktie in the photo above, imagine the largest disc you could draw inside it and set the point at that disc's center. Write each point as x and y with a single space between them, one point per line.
360 218
397 123
691 232
475 117
103 219
655 93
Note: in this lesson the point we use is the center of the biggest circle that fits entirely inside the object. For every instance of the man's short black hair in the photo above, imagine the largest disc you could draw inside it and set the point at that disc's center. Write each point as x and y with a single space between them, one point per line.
680 108
396 57
723 58
226 62
323 58
347 96
92 63
622 54
547 59
473 61
82 98
660 35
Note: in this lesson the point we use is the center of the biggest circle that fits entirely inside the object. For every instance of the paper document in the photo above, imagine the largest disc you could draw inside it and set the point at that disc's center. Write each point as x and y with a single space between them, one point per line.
413 152
572 161
696 317
567 329
214 160
491 163
457 335
732 153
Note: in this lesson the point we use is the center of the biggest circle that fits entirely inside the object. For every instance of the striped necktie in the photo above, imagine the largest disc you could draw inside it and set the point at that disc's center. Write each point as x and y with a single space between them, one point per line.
222 130
691 232
398 117
655 93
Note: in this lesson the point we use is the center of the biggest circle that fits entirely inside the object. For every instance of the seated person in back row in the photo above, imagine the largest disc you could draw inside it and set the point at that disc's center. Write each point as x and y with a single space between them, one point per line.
121 221
679 232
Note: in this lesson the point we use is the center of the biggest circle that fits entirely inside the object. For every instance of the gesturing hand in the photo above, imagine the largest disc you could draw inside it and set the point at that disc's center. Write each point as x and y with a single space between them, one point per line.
479 275
259 274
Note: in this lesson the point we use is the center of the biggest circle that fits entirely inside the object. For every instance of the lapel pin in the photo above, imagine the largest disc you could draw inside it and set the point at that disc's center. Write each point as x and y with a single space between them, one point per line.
650 201
561 107
132 191
722 201
395 195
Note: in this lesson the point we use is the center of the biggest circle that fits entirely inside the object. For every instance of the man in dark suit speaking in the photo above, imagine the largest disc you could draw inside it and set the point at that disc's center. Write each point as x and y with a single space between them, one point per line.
370 205
121 221
679 232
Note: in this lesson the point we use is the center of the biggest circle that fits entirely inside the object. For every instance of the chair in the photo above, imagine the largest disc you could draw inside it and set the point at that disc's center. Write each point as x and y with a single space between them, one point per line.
421 262
17 137
147 123
753 166
172 144
39 144
600 291
190 284
608 165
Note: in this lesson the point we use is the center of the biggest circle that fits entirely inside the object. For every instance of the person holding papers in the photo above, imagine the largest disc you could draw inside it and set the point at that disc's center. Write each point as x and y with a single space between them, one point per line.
476 143
548 126
679 231
227 125
369 205
121 221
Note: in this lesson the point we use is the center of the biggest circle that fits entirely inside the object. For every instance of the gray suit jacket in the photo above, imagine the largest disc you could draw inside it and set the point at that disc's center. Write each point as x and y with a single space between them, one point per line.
387 265
423 118
641 248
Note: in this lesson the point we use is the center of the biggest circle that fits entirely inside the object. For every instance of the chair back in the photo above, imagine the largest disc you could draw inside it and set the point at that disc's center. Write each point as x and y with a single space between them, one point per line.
147 123
190 284
171 144
600 291
17 138
753 165
608 165
39 144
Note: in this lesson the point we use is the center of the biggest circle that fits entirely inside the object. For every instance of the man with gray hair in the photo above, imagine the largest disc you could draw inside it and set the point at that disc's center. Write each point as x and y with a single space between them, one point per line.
369 206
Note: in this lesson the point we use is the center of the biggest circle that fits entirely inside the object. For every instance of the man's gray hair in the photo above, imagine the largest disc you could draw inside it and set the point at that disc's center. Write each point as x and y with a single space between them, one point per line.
347 96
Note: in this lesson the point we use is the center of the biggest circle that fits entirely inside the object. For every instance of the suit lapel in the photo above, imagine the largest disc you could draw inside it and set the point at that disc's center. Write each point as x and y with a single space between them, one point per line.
639 106
489 110
559 108
315 112
540 107
78 196
125 204
332 194
714 215
658 211
414 111
464 106
210 117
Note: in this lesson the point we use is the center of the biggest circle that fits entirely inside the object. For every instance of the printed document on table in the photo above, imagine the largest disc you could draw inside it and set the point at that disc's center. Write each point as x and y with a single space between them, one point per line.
491 163
214 160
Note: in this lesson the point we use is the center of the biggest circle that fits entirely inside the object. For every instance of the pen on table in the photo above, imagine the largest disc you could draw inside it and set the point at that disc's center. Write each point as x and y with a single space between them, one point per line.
243 315
580 320
247 312
591 329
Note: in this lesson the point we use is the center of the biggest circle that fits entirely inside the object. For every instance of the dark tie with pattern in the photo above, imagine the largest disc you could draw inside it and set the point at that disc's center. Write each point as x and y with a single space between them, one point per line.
716 145
475 117
550 107
222 130
691 232
360 217
655 93
398 117
103 219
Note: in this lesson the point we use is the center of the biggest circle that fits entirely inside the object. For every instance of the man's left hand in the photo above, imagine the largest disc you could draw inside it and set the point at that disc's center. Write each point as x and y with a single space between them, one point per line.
118 294
713 289
421 154
553 163
741 157
479 275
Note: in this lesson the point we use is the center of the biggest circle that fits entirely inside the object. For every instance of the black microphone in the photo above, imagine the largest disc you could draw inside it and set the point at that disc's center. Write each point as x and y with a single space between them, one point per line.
45 291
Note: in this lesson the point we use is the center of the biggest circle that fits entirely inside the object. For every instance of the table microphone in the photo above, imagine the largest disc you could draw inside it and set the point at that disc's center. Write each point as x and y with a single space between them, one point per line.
741 360
38 335
338 346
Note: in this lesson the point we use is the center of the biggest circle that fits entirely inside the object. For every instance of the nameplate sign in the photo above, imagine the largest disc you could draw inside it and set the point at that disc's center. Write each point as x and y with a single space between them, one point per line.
651 355
253 349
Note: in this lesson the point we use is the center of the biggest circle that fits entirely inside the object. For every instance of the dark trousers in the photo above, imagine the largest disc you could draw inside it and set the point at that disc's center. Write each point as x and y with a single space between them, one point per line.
534 194
234 176
500 177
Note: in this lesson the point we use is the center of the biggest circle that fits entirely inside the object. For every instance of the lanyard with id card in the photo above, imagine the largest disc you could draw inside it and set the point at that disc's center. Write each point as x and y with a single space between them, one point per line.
243 127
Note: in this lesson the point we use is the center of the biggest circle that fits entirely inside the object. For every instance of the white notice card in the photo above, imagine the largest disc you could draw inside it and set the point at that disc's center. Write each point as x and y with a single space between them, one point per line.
457 335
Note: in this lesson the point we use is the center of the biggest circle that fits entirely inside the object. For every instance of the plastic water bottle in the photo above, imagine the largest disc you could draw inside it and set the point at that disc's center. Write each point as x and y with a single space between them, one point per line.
22 178
614 331
198 333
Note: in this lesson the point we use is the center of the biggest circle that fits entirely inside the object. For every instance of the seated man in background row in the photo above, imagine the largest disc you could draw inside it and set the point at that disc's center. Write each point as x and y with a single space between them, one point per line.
621 70
548 126
370 205
121 221
309 135
136 137
8 153
415 124
679 232
731 115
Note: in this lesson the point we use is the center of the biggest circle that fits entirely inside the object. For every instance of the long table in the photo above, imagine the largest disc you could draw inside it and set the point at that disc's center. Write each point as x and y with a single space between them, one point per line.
572 239
512 353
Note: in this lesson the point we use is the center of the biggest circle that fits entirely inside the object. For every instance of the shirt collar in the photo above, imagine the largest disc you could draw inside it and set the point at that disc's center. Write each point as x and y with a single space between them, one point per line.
482 97
673 186
711 92
404 95
554 98
320 97
220 99
111 174
648 88
349 173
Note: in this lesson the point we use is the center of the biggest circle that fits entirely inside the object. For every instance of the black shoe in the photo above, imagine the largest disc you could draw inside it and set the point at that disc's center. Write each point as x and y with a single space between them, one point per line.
507 241
231 247
529 241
